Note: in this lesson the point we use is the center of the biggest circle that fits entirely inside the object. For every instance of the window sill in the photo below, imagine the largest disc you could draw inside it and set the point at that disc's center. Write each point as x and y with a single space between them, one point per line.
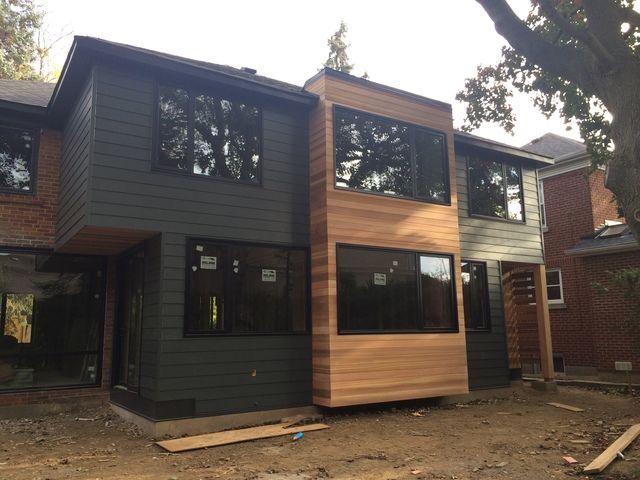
207 178
545 229
557 306
396 332
497 219
478 330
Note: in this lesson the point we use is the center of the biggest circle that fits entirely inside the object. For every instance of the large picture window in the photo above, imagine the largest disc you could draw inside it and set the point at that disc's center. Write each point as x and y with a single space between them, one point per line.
385 156
495 189
245 289
392 290
208 135
17 153
475 292
51 315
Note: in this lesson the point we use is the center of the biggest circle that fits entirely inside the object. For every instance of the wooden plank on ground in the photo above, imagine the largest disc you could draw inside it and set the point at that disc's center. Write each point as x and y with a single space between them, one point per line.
235 436
606 457
565 407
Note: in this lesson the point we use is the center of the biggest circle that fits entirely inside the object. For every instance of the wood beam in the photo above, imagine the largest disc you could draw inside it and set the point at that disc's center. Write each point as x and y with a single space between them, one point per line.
544 323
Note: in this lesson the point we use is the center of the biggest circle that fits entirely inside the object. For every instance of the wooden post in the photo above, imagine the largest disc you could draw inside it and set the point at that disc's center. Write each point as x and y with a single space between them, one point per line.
544 324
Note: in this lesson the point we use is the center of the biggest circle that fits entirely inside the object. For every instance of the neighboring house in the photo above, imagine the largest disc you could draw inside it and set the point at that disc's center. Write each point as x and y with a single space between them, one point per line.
584 240
187 240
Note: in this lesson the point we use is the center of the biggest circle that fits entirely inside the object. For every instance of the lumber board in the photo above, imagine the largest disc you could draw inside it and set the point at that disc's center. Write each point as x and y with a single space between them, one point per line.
235 436
565 407
606 457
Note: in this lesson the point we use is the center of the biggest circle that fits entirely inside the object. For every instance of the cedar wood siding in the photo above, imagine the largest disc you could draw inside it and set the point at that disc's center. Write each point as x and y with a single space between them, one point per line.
495 241
74 167
377 367
127 192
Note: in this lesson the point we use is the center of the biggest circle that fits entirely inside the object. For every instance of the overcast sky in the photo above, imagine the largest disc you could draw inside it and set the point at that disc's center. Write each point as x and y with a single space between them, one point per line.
426 47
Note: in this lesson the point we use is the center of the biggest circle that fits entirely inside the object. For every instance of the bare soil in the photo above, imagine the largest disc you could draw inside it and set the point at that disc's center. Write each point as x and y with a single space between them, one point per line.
515 437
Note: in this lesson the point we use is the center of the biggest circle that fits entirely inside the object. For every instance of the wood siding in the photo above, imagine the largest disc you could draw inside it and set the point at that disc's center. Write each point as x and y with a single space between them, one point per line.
74 167
495 241
369 368
128 193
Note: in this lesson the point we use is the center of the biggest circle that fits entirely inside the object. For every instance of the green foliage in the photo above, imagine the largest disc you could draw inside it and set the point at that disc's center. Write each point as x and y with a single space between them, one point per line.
338 58
19 22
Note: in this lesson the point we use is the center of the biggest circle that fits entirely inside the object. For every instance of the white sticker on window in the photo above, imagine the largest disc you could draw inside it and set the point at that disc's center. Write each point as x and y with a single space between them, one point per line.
199 248
208 263
268 275
379 278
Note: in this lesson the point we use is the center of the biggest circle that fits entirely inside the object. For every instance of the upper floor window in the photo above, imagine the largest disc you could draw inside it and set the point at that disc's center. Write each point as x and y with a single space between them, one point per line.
543 212
381 155
17 162
208 135
495 189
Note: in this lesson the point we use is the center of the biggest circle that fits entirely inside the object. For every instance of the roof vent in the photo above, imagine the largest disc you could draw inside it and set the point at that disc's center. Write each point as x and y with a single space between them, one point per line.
252 71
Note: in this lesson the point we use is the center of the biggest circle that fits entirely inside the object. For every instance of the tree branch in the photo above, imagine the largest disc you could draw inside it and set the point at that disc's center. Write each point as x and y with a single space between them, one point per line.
563 61
605 21
586 37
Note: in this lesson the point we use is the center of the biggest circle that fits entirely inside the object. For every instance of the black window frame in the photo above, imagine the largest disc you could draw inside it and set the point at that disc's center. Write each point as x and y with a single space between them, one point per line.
193 91
414 168
229 332
99 352
504 163
486 294
419 303
35 149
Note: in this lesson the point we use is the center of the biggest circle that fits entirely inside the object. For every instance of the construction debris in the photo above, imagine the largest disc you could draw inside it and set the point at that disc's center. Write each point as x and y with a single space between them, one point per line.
565 407
609 455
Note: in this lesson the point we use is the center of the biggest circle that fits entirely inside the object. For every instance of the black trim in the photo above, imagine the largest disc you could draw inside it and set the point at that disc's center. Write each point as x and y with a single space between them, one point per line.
412 127
35 156
419 304
487 296
228 332
491 147
153 409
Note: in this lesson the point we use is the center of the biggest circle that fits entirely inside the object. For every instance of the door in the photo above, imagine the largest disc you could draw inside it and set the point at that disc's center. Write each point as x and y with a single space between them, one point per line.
131 273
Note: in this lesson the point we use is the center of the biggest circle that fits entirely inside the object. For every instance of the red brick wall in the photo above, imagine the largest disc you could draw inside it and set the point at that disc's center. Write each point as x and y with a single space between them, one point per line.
604 206
29 220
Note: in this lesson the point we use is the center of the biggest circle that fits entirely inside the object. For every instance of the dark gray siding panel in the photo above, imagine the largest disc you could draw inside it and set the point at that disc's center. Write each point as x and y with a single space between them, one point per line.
128 192
74 167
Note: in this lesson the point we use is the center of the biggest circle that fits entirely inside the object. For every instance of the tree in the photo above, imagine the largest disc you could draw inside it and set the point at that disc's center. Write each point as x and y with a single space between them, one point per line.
338 58
580 58
19 23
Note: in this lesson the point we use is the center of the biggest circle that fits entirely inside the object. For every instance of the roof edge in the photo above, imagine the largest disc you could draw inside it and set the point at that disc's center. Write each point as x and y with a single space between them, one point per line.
486 144
604 250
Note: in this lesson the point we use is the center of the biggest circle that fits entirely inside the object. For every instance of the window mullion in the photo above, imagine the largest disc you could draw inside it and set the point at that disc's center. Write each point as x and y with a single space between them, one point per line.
419 310
505 185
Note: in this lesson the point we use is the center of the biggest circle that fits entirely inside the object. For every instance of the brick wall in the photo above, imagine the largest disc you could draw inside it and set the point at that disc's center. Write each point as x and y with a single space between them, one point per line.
604 206
29 220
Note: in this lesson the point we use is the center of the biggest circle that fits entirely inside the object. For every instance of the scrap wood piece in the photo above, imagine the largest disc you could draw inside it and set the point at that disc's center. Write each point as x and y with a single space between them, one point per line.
606 457
235 436
565 407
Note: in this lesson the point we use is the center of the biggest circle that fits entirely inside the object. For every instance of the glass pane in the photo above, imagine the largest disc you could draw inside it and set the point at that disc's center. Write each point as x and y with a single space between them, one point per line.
514 193
377 290
130 328
50 317
226 139
174 131
486 188
553 293
437 297
16 148
553 277
431 165
372 154
475 295
268 289
206 292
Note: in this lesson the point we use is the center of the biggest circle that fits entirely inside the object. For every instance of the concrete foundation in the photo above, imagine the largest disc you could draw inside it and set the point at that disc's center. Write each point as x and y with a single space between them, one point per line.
199 425
545 386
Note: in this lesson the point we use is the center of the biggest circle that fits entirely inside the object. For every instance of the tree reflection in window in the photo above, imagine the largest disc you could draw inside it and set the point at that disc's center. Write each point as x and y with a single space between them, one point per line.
495 189
16 162
208 135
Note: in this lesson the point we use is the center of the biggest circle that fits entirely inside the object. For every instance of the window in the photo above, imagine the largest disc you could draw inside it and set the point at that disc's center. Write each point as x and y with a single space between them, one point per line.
543 212
495 189
245 289
17 153
555 293
381 155
475 292
51 311
392 290
207 135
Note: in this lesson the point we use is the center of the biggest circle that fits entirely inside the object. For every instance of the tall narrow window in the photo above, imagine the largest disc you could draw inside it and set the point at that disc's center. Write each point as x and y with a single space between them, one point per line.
386 156
555 291
475 292
17 152
495 189
543 212
207 135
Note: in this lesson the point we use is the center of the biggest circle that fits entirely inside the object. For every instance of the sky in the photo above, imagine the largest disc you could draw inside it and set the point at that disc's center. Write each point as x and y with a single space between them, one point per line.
427 47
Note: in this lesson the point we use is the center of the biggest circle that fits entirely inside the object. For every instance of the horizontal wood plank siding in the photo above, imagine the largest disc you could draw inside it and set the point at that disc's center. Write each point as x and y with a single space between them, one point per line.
494 241
128 192
359 369
74 167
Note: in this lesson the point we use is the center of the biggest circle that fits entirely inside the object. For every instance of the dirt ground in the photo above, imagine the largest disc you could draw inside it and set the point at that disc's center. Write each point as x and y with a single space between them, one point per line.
515 437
